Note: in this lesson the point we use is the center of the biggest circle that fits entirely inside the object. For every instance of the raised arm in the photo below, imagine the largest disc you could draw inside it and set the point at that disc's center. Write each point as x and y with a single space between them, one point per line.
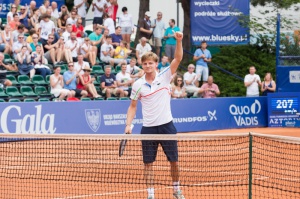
178 52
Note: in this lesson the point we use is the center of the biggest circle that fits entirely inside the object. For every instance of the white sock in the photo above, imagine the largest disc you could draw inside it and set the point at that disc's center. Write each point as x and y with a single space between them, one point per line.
150 192
176 186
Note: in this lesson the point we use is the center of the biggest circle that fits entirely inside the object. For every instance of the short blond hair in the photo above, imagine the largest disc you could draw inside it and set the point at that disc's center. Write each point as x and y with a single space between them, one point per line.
149 56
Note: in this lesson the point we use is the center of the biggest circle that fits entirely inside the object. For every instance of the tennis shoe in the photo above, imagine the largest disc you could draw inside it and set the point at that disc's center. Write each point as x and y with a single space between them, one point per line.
178 195
150 197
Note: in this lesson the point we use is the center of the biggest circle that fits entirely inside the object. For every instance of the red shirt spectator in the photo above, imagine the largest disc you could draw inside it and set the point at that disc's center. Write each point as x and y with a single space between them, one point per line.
78 28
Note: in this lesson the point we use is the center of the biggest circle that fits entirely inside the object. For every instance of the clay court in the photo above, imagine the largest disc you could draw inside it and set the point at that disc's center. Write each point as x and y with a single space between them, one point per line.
211 168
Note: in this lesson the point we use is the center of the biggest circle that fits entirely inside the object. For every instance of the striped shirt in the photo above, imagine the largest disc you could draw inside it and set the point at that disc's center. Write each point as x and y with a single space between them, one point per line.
155 98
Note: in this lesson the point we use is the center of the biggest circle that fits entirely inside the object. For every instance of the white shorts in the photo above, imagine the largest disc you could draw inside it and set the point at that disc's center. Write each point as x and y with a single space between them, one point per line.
202 71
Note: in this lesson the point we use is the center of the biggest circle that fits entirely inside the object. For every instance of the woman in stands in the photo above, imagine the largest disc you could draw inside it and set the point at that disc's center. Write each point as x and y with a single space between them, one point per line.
62 22
39 62
89 51
86 83
7 40
268 85
10 15
24 62
126 23
57 85
178 91
34 20
64 52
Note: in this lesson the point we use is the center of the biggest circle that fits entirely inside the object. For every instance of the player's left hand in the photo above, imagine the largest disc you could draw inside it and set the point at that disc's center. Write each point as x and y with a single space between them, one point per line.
178 35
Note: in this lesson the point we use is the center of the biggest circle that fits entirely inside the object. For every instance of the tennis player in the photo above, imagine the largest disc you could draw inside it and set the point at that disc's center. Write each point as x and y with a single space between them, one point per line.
153 90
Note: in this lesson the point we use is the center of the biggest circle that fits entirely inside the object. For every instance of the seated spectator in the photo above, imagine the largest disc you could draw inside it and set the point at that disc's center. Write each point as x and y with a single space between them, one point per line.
63 10
178 91
67 34
209 89
10 15
17 46
35 42
54 14
20 30
52 51
57 85
73 44
39 62
15 22
134 71
3 70
122 51
24 17
47 27
34 20
78 28
32 7
190 78
142 48
80 64
107 53
105 34
86 83
72 19
7 40
163 64
70 82
124 80
88 51
116 37
109 85
268 85
96 39
29 38
44 7
62 22
66 54
24 62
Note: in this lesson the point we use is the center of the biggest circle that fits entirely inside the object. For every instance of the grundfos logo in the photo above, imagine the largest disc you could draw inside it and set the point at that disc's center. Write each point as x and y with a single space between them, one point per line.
245 115
29 123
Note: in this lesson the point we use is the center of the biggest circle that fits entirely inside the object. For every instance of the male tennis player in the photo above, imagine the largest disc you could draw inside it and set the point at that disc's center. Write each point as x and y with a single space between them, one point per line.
153 90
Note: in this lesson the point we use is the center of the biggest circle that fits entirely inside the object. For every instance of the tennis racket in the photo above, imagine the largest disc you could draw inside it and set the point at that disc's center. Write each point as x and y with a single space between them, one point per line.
123 144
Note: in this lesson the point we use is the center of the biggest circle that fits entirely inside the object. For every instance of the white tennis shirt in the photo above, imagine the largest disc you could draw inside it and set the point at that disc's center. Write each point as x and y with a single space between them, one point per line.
155 98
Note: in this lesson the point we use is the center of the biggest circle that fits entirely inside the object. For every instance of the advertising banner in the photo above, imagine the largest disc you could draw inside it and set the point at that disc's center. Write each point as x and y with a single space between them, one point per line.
109 117
219 22
288 78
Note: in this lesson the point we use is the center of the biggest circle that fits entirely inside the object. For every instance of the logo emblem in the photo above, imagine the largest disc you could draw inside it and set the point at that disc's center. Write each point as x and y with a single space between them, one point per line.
212 115
255 107
93 118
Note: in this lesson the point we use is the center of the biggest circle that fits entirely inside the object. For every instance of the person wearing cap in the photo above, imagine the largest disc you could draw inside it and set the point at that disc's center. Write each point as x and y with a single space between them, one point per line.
170 40
142 48
86 82
190 78
145 26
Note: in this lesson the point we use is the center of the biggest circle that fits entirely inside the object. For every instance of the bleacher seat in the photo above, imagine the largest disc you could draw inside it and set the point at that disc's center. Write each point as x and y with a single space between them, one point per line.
14 100
7 59
85 99
99 98
12 91
24 80
42 92
118 69
88 32
112 98
2 100
28 92
97 70
39 80
64 68
44 100
13 80
124 98
96 83
3 95
29 100
48 79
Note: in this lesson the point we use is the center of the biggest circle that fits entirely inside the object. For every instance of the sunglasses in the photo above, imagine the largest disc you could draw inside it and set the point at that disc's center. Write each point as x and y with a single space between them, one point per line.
21 37
22 9
179 80
13 7
86 71
70 65
34 37
50 38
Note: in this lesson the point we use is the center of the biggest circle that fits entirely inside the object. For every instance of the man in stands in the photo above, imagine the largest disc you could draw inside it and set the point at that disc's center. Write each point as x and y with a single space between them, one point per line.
109 84
210 89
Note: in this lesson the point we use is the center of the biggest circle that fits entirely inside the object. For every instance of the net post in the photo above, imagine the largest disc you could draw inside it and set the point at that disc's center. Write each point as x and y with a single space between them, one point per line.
250 166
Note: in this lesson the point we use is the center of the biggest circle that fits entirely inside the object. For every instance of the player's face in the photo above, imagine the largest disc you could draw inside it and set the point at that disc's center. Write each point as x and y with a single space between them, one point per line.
149 66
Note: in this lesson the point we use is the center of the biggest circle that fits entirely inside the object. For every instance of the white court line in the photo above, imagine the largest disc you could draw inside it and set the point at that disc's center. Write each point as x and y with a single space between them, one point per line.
142 190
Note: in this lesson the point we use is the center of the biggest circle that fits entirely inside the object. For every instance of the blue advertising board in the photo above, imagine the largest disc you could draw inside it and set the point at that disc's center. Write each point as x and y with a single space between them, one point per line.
109 117
288 78
218 22
5 5
284 109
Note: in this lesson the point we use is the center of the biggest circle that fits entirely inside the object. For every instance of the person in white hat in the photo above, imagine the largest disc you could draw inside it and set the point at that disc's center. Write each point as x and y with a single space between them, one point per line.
145 26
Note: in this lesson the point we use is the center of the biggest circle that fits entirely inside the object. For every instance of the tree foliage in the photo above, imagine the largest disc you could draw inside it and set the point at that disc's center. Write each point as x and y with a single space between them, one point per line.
278 3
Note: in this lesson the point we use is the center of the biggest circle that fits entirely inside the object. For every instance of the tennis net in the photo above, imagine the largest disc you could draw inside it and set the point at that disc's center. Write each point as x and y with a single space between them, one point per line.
211 166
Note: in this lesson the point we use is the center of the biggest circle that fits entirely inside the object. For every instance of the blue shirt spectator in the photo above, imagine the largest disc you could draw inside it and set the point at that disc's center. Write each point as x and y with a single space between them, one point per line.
200 52
67 76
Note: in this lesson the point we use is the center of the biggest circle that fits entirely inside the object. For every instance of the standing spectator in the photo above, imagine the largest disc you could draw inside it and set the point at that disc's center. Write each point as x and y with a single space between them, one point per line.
210 89
24 62
108 23
268 85
142 48
86 83
57 85
145 26
73 45
116 37
47 27
98 7
70 81
189 81
178 90
7 40
124 80
111 8
3 71
109 84
10 15
80 5
80 64
134 71
163 64
170 40
252 83
39 62
126 23
24 17
89 51
44 7
107 53
202 56
159 27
